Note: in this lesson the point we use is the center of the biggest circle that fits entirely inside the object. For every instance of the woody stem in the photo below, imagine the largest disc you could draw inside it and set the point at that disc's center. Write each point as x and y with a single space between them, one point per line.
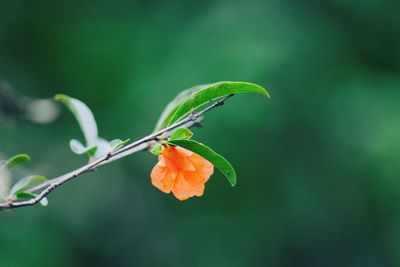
142 144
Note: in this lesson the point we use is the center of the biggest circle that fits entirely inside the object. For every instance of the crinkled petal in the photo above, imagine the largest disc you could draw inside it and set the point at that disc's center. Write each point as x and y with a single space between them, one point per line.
186 165
177 158
184 189
161 162
183 151
182 172
163 178
204 168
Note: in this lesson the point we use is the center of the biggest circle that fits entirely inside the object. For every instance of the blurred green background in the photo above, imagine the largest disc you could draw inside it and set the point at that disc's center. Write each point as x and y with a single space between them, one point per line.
318 163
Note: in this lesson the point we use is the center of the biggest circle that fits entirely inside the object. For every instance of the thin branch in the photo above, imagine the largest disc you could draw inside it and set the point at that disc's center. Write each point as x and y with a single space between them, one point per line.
142 144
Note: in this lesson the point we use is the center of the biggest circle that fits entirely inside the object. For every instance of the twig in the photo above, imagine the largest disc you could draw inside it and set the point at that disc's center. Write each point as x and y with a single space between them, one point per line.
137 146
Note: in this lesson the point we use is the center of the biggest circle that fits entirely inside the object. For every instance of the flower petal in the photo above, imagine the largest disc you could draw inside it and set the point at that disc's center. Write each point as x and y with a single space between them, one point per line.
163 178
184 188
204 168
182 172
178 158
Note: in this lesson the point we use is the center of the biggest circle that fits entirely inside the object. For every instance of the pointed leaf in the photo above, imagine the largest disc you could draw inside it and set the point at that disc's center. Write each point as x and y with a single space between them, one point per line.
211 93
171 108
16 160
217 160
84 117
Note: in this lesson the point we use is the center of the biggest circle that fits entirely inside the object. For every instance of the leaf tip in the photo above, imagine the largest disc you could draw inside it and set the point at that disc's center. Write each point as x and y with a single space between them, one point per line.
62 98
25 157
262 90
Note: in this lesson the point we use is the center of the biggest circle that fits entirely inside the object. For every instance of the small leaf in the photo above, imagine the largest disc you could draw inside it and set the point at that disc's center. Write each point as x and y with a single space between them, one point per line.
217 160
117 144
78 148
181 133
84 117
92 151
26 183
156 150
24 195
103 147
16 160
214 92
171 108
27 195
96 147
44 202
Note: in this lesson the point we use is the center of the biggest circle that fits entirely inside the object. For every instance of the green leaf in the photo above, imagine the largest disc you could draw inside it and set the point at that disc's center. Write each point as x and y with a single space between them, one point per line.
24 195
103 147
96 147
117 144
181 133
84 117
78 148
156 150
217 160
27 195
91 151
171 108
26 183
16 160
205 95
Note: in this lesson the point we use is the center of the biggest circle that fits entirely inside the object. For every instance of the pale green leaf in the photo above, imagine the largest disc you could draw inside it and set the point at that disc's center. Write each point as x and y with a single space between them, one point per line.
44 202
117 144
84 117
103 148
26 183
96 147
78 148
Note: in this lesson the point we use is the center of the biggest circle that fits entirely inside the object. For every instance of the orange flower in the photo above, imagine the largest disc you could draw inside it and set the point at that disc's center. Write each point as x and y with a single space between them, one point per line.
182 172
